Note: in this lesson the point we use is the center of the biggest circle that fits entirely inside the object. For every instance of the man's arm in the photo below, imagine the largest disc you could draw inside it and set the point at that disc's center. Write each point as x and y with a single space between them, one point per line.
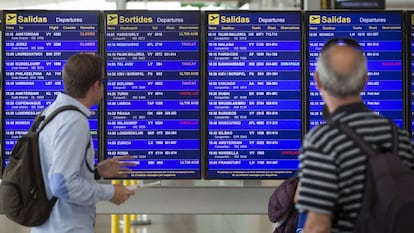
318 189
317 223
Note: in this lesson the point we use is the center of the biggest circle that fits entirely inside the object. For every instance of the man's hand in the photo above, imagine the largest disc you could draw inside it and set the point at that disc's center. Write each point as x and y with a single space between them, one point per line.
114 168
121 194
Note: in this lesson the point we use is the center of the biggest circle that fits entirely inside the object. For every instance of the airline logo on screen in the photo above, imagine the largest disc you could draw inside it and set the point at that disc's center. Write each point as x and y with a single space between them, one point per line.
112 19
11 19
314 19
213 19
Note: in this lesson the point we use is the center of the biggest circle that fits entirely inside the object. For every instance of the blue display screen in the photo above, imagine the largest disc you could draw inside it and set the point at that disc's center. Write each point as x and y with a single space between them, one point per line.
380 36
254 94
36 46
153 92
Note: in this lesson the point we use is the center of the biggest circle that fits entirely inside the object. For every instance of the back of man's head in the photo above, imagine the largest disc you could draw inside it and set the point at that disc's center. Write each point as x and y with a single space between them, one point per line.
80 72
342 68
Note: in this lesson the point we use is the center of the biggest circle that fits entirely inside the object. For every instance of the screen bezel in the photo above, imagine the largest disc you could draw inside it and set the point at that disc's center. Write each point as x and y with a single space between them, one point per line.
307 58
205 90
200 57
3 74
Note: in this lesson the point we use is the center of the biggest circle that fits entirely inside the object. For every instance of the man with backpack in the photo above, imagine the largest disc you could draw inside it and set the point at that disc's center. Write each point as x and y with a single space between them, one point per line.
334 166
67 154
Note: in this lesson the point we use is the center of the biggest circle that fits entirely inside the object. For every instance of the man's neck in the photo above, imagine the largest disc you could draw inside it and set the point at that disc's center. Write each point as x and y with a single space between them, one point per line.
333 102
85 102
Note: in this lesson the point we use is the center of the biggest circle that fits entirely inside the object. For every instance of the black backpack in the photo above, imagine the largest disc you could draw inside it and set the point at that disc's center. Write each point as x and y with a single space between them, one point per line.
388 202
22 190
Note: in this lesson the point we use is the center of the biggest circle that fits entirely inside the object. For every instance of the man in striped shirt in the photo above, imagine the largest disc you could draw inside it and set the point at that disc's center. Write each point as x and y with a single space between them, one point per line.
332 167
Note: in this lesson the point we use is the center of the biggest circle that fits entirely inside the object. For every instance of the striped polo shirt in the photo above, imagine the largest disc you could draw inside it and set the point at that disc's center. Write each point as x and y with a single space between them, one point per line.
332 167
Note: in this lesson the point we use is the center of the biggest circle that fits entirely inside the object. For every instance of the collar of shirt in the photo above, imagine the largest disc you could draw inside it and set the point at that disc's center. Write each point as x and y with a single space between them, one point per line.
64 99
344 109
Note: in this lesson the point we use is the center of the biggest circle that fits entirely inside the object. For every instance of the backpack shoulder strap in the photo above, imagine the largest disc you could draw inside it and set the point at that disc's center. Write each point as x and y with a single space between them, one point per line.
66 108
360 142
52 115
36 122
56 112
87 164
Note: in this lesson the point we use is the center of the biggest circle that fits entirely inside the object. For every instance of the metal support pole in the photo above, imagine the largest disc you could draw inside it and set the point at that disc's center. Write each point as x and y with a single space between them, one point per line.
115 217
139 219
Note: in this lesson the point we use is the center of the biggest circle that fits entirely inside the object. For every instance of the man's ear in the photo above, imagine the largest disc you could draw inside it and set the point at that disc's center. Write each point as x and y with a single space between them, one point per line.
95 86
317 80
366 78
97 83
365 82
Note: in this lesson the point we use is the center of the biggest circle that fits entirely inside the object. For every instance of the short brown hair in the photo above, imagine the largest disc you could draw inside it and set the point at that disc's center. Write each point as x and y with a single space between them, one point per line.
80 72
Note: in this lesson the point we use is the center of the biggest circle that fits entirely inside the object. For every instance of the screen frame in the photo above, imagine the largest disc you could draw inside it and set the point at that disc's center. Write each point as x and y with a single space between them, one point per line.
3 73
205 90
403 57
200 57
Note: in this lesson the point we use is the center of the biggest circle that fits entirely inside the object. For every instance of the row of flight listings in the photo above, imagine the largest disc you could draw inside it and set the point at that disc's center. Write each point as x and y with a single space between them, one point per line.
255 74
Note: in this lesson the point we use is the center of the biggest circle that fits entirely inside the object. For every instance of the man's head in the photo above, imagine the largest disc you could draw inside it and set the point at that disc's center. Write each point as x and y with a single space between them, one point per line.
341 69
82 73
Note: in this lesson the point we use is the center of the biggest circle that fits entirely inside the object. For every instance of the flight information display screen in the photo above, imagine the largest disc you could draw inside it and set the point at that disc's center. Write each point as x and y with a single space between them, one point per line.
36 45
380 36
153 92
254 94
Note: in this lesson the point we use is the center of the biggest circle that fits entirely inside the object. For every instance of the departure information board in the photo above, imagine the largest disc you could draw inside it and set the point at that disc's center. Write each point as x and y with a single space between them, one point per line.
380 35
153 92
35 47
254 94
